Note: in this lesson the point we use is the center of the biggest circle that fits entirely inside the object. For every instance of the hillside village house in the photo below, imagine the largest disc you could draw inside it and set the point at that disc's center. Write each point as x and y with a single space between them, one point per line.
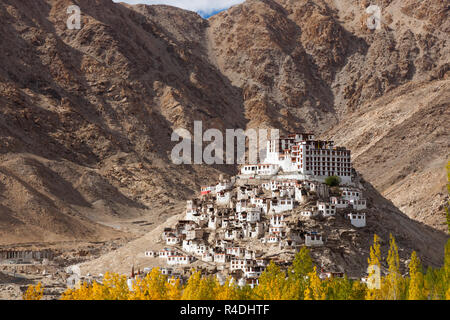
179 259
260 169
358 205
313 239
357 219
326 209
281 205
309 213
25 256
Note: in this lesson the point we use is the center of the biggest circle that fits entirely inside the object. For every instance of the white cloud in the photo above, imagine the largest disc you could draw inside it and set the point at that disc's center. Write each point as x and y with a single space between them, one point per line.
205 6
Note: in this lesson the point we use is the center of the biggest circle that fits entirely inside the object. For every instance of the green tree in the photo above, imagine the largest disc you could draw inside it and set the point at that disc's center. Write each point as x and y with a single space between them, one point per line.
339 288
333 181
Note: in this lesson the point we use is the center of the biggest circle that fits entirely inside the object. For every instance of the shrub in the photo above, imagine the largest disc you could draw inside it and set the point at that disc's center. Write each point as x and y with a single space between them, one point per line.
333 181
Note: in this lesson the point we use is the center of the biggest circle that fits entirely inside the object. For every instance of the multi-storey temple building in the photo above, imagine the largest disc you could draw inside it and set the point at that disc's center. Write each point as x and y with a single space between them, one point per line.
301 154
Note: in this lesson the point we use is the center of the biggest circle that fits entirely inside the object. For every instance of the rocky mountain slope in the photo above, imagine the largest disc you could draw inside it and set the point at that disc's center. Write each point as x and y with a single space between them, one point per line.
86 115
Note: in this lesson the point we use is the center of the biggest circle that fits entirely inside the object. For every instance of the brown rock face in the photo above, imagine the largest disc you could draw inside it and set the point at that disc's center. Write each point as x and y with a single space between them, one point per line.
86 115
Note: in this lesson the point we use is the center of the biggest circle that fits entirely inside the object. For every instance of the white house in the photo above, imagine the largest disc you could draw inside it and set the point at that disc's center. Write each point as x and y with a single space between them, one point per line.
351 193
235 251
192 215
360 204
284 192
249 254
172 240
194 246
194 234
261 262
207 257
251 214
276 230
240 264
151 254
223 198
313 239
253 230
309 213
221 257
281 205
166 271
260 169
326 209
179 259
339 203
164 253
278 220
358 219
214 222
191 204
273 238
300 194
253 271
233 234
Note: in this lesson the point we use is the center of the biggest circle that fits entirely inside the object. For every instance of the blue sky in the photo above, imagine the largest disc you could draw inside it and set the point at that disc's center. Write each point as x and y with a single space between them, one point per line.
205 8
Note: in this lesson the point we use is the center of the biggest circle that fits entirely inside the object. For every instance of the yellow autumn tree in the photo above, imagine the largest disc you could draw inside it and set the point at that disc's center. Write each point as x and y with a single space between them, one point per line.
273 285
359 291
228 291
80 293
338 288
393 285
154 286
373 291
34 292
315 289
199 288
113 287
173 290
416 282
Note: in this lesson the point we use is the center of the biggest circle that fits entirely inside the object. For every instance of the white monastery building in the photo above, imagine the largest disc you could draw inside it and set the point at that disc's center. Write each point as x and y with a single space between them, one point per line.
300 153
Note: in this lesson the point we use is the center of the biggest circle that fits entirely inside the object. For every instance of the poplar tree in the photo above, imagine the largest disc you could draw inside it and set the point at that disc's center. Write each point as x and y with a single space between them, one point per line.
374 262
199 288
393 284
416 281
315 289
34 292
274 286
301 266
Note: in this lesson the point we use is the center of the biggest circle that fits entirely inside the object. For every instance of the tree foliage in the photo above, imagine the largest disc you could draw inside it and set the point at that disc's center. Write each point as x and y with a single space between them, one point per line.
34 292
300 281
333 181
